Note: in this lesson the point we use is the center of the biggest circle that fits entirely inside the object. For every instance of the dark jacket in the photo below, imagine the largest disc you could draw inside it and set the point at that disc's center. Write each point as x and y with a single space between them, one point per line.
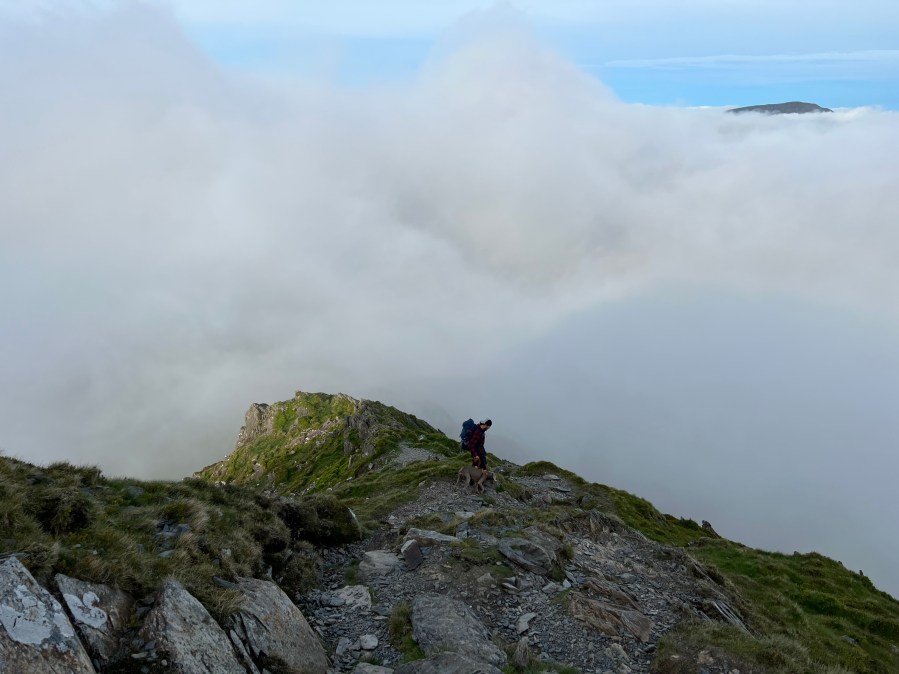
476 441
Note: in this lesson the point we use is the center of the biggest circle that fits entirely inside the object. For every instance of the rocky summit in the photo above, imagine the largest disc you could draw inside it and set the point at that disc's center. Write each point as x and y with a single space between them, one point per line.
335 537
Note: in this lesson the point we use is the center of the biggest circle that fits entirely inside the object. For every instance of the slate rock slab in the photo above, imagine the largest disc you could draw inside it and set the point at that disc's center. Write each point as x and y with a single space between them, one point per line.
610 619
100 614
36 636
440 623
377 563
527 554
411 553
427 537
273 625
188 636
447 663
355 597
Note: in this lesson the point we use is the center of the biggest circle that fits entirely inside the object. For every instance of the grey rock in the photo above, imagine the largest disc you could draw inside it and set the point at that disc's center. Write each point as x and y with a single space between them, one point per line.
411 553
440 623
551 588
368 642
342 646
527 554
191 640
447 663
377 563
275 626
100 614
36 637
355 597
426 537
366 668
523 623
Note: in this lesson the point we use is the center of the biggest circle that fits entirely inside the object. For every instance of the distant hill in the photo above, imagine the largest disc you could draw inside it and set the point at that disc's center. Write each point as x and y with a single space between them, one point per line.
791 108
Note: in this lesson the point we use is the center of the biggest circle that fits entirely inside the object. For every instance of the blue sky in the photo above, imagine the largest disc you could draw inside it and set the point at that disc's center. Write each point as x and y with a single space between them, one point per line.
697 52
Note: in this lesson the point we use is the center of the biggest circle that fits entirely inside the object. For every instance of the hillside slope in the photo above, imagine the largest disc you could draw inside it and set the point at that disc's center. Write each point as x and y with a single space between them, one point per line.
352 508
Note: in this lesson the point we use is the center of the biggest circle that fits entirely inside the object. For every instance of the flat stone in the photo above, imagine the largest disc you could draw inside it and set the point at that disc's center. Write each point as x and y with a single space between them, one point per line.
523 623
447 663
368 642
426 537
367 668
36 637
377 563
527 554
440 624
355 597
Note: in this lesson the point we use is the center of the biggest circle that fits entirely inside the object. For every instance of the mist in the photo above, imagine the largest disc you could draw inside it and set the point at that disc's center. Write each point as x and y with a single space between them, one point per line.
690 305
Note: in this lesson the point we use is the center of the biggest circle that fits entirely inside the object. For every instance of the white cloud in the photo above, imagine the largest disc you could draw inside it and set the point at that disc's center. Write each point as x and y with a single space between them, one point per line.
178 242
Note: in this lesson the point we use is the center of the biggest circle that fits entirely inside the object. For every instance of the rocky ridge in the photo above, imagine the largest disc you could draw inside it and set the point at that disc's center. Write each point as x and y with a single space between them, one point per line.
539 574
615 592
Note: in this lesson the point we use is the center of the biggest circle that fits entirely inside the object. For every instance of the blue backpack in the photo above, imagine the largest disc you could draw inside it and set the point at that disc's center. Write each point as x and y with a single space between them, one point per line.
467 428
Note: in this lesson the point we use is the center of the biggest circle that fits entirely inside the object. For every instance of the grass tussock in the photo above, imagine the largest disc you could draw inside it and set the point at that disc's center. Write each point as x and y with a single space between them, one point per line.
132 534
399 627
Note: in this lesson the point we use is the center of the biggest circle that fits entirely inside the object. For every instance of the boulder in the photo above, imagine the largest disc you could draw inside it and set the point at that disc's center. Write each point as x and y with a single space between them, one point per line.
447 663
377 563
183 630
411 553
271 624
527 554
36 637
440 623
100 614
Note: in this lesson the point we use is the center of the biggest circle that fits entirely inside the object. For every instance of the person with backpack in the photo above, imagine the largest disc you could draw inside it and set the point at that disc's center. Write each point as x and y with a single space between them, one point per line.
475 443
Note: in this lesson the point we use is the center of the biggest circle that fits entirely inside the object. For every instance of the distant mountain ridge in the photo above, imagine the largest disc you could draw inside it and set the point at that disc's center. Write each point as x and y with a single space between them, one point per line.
792 107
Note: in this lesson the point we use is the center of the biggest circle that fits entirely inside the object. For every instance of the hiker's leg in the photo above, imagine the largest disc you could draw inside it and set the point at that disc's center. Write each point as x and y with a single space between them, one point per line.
483 458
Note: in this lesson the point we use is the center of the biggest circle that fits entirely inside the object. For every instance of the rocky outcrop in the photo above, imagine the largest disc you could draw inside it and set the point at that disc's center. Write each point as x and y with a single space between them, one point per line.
443 624
259 420
271 625
609 619
100 614
191 641
36 637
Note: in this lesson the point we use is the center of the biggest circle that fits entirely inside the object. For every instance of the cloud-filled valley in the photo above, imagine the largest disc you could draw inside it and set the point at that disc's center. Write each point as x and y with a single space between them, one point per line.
695 306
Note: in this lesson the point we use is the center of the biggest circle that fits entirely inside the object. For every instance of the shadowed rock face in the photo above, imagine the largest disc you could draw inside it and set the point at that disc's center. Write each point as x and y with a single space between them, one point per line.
36 637
793 107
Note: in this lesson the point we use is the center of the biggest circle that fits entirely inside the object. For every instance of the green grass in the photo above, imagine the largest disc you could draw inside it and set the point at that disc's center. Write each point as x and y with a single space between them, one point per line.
358 437
399 627
71 520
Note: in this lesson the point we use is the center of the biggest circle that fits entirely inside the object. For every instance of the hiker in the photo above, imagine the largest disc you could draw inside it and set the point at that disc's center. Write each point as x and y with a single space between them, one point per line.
476 444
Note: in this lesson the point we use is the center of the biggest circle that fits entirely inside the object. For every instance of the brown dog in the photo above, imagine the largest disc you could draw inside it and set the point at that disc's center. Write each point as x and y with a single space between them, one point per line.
476 476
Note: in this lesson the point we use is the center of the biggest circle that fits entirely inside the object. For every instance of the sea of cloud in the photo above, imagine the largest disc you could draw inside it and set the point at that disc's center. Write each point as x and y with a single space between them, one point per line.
696 306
